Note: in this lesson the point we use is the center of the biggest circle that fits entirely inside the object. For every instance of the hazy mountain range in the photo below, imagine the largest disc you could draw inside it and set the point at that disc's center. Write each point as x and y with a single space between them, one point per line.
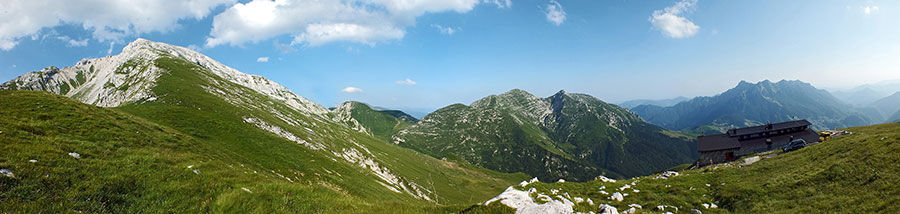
757 103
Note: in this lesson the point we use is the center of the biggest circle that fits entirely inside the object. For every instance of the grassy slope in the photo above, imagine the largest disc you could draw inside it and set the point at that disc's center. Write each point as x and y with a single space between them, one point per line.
453 185
379 123
130 163
858 173
498 133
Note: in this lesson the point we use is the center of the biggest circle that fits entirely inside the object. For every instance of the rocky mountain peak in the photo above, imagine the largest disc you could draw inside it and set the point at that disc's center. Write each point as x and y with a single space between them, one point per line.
129 76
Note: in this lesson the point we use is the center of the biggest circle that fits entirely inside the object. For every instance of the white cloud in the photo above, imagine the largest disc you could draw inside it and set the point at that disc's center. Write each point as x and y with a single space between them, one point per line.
407 81
73 42
262 59
555 13
109 51
352 90
194 47
500 3
670 22
109 20
870 9
318 22
446 30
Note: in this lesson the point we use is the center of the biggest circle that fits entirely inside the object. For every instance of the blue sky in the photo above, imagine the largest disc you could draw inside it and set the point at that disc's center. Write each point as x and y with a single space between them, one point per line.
434 53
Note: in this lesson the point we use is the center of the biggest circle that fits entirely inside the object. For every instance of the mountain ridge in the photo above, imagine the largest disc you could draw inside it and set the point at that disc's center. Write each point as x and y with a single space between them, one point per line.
243 120
750 104
569 135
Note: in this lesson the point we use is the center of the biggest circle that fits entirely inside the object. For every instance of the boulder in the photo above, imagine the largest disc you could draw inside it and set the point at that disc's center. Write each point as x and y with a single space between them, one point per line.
617 197
607 209
7 173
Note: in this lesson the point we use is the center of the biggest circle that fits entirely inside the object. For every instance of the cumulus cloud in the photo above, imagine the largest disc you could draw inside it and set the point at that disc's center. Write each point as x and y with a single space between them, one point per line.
262 59
870 9
352 90
106 20
318 22
555 13
671 23
407 81
446 30
73 42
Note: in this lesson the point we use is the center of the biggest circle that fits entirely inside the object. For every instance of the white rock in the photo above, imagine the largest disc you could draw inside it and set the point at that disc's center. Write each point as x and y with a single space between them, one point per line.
245 189
617 197
561 181
196 171
607 209
750 160
713 206
578 199
7 173
629 211
543 197
623 188
604 192
32 161
695 211
605 179
636 190
590 202
667 174
190 166
635 206
75 155
524 204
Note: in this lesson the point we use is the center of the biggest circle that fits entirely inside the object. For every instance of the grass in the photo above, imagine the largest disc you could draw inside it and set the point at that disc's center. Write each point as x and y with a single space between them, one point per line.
857 173
135 158
380 123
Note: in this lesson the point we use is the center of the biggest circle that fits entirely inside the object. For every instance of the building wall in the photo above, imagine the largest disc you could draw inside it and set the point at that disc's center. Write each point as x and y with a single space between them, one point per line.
714 157
760 146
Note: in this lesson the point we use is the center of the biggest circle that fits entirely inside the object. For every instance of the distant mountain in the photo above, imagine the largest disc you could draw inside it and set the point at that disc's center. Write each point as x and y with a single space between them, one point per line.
184 133
860 96
887 106
570 136
894 118
660 103
753 104
379 123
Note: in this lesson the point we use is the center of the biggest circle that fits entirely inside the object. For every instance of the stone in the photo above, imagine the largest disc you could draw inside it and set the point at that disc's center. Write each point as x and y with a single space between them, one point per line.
607 209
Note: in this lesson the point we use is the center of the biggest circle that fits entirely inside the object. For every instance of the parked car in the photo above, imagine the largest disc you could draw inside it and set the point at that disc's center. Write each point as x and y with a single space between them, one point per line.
794 145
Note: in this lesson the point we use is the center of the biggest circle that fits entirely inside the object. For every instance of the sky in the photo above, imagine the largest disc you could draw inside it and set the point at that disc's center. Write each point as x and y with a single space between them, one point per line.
427 54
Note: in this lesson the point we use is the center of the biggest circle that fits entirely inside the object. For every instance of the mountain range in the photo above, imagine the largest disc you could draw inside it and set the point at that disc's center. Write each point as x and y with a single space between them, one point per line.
750 104
182 132
661 103
571 136
162 128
